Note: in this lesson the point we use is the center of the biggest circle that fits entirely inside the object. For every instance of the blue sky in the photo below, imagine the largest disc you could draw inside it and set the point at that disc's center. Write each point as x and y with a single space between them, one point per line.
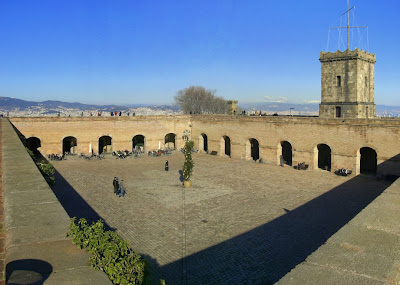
128 52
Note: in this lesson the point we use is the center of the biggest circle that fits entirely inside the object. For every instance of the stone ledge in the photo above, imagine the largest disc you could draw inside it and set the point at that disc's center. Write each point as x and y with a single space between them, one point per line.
365 251
36 223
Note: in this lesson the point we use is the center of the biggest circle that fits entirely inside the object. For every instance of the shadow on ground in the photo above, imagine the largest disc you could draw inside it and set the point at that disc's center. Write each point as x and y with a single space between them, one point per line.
73 203
267 253
28 271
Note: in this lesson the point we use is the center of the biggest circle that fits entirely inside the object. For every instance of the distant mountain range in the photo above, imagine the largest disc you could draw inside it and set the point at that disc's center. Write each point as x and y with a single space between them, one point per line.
8 104
310 109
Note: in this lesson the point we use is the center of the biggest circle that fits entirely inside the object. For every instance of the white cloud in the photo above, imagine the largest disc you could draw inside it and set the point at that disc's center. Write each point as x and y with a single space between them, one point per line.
279 99
313 101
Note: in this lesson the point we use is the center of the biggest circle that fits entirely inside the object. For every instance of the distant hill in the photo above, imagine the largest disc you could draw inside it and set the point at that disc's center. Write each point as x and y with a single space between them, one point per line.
9 104
283 108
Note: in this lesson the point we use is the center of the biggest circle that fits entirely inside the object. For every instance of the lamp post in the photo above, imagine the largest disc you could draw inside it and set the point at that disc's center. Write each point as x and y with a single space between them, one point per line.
290 111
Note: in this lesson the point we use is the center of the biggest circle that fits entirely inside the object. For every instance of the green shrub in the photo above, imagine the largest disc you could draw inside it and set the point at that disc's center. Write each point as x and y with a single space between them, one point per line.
30 152
47 171
188 164
109 252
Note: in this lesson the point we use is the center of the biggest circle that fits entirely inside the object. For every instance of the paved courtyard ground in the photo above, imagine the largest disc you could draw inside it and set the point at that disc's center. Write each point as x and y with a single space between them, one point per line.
240 223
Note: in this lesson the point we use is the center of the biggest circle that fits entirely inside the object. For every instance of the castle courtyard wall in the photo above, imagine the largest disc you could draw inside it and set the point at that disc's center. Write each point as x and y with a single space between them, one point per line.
345 137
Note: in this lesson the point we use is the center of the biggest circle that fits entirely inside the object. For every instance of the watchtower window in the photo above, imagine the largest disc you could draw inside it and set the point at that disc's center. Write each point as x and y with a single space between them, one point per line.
338 112
338 81
366 81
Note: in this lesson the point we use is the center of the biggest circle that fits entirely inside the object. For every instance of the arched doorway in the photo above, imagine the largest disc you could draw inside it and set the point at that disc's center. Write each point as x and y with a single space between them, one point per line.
105 144
368 161
203 142
170 141
324 157
254 149
33 143
69 145
286 152
226 145
138 142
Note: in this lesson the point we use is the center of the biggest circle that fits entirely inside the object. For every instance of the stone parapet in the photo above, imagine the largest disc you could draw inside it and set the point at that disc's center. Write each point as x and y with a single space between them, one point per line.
347 55
364 251
37 250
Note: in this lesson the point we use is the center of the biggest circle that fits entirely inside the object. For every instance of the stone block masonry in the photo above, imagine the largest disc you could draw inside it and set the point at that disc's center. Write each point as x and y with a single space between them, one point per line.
345 137
347 84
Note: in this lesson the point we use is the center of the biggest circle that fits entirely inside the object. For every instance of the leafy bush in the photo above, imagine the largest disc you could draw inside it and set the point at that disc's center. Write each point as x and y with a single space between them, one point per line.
188 164
109 252
47 171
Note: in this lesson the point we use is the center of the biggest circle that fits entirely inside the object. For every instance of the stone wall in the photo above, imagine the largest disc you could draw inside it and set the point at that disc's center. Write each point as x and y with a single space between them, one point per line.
88 130
345 137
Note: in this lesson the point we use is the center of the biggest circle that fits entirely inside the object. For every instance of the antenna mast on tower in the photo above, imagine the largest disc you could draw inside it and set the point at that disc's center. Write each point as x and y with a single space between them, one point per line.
348 27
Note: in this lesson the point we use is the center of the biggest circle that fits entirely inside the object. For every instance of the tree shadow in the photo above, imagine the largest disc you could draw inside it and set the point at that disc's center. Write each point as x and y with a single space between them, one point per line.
265 254
152 270
28 271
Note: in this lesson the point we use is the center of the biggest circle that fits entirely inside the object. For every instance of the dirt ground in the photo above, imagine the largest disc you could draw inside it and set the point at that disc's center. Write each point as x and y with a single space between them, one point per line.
241 222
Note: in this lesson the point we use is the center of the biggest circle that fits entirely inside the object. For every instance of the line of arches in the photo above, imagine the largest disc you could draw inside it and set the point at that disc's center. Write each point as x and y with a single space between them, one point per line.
105 143
366 156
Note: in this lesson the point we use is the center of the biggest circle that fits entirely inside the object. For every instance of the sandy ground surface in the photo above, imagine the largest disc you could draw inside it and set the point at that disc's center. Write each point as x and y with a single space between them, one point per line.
240 223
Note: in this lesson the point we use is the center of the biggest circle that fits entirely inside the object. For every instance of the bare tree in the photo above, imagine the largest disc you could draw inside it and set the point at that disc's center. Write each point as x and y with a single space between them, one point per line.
199 100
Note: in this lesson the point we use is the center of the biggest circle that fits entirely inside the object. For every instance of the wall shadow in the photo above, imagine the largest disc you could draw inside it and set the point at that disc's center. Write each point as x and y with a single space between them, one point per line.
73 203
265 254
28 271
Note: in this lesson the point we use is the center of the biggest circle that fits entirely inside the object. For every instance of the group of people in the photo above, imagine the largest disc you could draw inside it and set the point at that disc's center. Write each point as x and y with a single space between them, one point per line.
115 114
119 189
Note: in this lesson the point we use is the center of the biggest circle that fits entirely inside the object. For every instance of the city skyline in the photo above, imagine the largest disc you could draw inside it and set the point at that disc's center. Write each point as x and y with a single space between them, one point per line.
131 52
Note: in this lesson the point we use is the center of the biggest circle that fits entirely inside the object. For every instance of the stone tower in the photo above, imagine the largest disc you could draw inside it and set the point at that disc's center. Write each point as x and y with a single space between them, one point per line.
347 84
232 107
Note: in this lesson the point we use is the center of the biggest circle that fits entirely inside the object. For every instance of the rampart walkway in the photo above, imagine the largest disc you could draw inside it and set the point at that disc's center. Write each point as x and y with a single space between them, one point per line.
365 251
35 225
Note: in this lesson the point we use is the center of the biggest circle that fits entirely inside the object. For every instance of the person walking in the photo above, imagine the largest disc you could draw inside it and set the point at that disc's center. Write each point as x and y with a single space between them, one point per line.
166 166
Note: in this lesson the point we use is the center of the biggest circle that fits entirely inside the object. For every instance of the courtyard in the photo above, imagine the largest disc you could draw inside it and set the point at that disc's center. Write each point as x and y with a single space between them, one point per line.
240 223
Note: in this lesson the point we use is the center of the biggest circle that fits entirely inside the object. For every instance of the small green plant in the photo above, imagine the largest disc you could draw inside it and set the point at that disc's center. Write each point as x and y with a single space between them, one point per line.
30 152
109 252
188 164
47 171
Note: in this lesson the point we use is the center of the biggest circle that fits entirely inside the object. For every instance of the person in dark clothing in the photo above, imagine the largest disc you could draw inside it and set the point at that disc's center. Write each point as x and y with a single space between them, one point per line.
116 185
166 166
